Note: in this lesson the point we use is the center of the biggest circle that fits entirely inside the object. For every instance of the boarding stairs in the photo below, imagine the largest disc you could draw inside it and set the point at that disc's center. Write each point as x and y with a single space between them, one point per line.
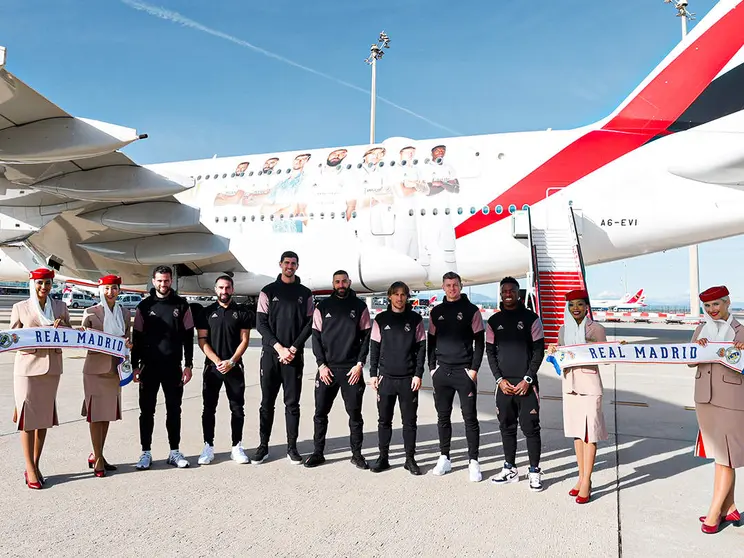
556 267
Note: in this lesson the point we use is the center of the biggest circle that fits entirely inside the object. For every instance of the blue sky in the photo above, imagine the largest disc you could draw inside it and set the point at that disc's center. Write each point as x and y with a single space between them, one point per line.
200 88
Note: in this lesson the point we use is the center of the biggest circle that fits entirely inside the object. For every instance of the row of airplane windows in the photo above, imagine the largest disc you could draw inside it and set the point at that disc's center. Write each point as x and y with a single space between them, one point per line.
279 171
342 215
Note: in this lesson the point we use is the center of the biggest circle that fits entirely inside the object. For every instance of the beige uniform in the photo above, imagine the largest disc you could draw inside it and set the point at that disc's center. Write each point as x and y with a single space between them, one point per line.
719 406
102 401
36 372
582 393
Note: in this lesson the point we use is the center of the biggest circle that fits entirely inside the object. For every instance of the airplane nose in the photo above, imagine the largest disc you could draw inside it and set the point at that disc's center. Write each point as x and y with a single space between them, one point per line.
378 264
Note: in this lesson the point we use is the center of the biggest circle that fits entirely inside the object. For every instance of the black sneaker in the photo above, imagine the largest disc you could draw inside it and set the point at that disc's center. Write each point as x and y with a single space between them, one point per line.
359 462
294 456
412 467
314 460
382 464
261 455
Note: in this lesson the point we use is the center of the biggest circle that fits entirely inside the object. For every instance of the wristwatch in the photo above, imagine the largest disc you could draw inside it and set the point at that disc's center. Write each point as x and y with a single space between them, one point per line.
232 364
528 379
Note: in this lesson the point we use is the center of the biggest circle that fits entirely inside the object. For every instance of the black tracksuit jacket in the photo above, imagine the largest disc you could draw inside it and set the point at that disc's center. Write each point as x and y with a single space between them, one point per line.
398 345
341 329
284 314
515 344
456 335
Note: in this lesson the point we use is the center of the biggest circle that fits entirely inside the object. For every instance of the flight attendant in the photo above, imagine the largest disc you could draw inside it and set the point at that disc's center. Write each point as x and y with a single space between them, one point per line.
719 406
102 402
582 391
36 372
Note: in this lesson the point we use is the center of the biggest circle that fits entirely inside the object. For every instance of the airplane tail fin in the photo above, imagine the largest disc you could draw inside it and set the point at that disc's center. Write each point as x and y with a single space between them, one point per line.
638 297
699 81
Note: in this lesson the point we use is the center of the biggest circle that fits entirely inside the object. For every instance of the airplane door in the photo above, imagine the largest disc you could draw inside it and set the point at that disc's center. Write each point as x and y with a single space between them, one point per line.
382 220
557 213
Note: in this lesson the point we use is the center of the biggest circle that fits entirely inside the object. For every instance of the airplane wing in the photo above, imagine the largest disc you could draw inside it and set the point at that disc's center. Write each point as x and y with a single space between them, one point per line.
73 201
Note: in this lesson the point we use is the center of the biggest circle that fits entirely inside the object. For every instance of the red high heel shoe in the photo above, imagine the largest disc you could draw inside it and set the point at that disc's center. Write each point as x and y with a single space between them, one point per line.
583 499
734 517
106 465
573 493
32 485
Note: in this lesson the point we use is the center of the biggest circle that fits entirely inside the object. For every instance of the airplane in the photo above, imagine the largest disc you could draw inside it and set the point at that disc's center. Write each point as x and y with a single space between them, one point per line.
628 302
401 209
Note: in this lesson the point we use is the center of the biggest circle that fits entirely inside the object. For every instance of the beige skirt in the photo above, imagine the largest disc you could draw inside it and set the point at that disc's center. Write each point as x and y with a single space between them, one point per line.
102 401
721 434
583 417
36 401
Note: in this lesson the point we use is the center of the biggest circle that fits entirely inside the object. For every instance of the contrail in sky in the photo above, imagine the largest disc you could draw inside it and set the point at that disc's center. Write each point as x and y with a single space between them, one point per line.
175 17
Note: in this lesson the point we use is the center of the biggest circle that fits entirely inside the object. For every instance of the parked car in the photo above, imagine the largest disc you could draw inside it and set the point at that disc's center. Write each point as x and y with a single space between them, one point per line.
78 300
129 300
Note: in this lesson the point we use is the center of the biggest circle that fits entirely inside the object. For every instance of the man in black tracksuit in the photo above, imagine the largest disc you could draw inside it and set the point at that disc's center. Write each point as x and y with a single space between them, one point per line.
397 353
515 346
284 318
456 344
341 329
163 335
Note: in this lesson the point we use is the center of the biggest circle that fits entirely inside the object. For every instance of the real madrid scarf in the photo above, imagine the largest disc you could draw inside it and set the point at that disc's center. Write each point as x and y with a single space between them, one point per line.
66 338
685 353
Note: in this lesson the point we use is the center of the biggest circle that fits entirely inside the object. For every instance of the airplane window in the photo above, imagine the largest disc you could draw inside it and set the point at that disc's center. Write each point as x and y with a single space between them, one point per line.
426 161
253 218
225 218
439 160
526 206
263 217
250 173
382 163
281 216
288 171
415 161
271 218
477 153
242 174
446 210
198 177
359 166
486 210
224 175
392 163
423 212
322 215
216 219
500 156
472 211
232 175
312 215
343 215
512 208
353 214
403 163
206 177
370 165
243 219
279 171
410 212
459 210
235 219
348 166
499 210
435 211
291 215
260 173
320 165
333 214
268 171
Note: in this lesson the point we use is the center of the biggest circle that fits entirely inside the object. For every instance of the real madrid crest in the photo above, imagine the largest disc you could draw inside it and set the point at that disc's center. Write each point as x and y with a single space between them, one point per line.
407 328
235 315
733 355
299 300
459 315
520 325
175 312
352 314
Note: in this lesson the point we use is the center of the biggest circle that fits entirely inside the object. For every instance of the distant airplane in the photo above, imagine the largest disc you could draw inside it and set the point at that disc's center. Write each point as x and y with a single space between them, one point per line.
628 302
401 209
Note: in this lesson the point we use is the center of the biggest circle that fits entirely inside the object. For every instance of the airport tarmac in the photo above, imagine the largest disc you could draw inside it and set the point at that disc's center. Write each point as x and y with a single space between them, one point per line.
648 488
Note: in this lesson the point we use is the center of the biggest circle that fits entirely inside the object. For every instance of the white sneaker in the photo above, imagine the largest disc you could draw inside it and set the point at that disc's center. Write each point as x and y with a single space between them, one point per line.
475 472
144 462
207 455
238 454
535 480
443 466
506 476
177 459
